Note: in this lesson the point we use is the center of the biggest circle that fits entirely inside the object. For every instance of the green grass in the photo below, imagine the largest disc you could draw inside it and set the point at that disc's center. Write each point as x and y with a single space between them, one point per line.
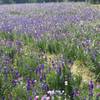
30 56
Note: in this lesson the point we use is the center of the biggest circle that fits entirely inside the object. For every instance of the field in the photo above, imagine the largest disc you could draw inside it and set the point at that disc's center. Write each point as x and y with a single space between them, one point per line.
50 51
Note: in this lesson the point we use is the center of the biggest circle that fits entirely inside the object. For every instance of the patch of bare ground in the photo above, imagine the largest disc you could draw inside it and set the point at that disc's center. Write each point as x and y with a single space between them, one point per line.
83 71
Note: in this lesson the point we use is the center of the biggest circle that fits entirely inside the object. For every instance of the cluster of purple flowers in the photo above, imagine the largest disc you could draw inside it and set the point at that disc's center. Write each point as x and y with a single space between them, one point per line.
37 19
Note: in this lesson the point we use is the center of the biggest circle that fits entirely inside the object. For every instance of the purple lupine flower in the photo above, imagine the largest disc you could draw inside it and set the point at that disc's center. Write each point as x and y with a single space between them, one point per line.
36 70
13 73
33 81
17 74
18 43
9 43
6 60
14 82
28 85
41 78
91 87
42 66
30 98
73 93
3 98
6 73
45 87
58 70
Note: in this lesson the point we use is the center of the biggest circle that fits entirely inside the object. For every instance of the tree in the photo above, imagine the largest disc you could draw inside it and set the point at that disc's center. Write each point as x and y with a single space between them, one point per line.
93 1
7 1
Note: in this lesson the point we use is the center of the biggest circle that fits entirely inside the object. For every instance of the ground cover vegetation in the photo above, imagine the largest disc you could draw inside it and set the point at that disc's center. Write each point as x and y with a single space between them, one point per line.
50 52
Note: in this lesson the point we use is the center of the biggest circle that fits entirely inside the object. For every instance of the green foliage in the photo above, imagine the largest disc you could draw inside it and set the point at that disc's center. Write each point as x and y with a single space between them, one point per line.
58 84
5 88
7 1
77 81
27 60
51 46
20 92
93 1
42 45
54 46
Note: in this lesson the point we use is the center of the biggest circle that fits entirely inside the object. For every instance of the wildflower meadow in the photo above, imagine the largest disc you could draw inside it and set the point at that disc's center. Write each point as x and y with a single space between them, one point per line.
50 51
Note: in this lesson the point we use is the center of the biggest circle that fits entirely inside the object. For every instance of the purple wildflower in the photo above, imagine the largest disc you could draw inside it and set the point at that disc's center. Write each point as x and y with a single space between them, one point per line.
17 74
28 85
30 98
3 98
14 82
41 78
45 87
59 70
42 66
91 87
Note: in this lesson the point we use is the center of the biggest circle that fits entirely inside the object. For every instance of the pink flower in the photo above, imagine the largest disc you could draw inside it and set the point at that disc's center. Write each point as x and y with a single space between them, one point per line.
43 97
78 93
36 98
47 98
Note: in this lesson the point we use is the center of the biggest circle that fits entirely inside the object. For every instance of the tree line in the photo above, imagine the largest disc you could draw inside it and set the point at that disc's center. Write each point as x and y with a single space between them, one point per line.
27 1
33 1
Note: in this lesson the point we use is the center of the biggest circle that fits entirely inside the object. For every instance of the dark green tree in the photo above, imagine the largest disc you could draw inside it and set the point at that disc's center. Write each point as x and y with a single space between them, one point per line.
7 1
93 1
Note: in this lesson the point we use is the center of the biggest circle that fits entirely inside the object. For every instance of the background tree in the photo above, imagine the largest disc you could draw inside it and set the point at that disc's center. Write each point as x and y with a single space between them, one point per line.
41 1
